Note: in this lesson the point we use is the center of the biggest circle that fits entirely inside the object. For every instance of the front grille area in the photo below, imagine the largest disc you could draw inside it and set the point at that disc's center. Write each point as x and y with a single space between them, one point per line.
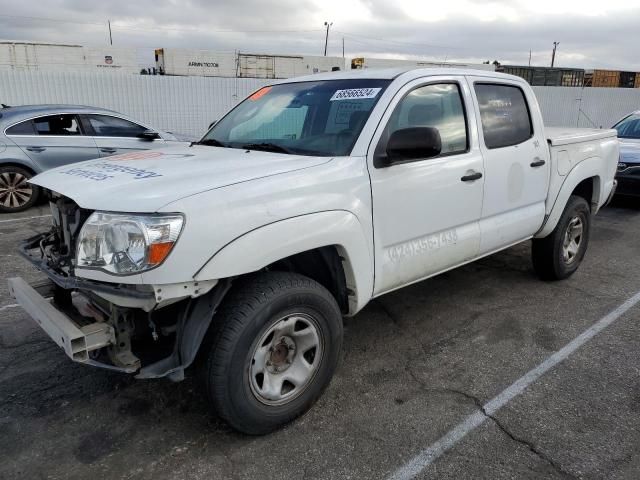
58 246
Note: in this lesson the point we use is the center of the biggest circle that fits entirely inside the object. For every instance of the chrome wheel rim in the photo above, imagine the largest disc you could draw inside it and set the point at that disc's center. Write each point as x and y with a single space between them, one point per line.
15 192
572 240
285 359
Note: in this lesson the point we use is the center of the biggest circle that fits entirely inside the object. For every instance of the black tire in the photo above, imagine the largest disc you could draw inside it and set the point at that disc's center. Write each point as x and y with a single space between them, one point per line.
549 257
254 306
14 199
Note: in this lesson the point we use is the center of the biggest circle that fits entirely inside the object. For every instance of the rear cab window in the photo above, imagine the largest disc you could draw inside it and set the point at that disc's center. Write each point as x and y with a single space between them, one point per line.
504 113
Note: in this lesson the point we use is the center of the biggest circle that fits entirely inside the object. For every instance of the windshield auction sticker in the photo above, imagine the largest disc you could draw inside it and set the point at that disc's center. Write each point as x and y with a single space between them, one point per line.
355 94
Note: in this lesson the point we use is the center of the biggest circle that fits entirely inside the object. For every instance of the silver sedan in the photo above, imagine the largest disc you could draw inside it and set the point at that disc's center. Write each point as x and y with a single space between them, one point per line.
34 138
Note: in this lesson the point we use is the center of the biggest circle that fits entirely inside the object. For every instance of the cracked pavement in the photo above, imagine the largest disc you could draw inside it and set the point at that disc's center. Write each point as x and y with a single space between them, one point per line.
415 363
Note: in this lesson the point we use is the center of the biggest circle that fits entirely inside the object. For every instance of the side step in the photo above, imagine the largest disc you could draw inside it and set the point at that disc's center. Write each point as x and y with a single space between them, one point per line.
77 341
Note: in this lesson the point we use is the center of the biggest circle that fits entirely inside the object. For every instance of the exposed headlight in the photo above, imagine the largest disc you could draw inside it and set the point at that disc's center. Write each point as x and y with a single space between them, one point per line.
126 244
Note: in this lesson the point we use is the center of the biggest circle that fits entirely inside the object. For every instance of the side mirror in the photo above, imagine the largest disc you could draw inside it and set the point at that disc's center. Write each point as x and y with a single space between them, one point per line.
212 124
148 135
410 144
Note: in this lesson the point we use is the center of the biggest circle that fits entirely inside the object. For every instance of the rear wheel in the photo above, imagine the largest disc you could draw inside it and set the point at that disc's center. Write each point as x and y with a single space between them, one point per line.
559 255
273 352
16 194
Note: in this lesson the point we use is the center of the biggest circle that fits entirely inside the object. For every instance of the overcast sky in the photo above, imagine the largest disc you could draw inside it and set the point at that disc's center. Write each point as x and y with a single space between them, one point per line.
592 34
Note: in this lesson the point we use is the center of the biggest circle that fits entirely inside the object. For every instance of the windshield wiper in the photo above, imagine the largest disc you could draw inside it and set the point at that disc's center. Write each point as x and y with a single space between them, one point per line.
210 142
266 147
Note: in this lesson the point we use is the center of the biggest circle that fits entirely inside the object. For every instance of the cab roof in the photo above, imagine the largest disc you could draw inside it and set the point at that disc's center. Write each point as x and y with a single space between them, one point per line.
393 73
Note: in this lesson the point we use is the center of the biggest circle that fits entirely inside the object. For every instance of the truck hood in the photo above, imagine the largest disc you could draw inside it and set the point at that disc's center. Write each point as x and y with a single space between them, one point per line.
630 151
147 180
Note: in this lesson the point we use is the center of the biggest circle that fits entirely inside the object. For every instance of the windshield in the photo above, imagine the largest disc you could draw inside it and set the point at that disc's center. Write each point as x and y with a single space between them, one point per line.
321 118
629 127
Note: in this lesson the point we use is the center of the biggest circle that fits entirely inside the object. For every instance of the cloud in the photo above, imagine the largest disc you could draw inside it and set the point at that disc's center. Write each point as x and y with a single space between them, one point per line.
591 34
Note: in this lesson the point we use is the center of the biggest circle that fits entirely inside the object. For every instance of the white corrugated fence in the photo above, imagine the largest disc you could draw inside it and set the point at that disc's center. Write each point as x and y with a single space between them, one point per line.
177 104
189 104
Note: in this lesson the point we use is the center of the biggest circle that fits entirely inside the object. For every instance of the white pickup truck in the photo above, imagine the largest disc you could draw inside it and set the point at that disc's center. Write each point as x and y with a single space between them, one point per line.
240 254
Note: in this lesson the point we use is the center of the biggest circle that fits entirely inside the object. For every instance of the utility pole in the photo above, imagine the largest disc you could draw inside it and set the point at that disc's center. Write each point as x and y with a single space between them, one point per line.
110 38
553 55
529 57
342 48
326 38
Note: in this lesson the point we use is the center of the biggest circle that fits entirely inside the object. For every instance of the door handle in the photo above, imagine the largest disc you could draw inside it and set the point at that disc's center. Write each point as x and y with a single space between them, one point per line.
471 177
537 162
108 150
36 149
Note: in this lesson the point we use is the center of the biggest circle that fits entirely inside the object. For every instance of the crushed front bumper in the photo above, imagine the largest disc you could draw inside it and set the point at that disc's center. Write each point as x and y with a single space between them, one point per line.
77 341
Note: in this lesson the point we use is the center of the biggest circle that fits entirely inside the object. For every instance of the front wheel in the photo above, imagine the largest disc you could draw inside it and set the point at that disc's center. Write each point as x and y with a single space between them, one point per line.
274 350
559 255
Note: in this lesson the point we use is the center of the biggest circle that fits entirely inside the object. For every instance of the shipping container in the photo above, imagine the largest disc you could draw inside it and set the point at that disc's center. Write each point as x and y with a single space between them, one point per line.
201 63
285 66
546 76
604 78
627 79
39 56
368 62
208 63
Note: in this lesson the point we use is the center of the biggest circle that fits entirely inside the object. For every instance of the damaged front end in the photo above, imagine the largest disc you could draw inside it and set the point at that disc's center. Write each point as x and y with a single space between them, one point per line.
124 327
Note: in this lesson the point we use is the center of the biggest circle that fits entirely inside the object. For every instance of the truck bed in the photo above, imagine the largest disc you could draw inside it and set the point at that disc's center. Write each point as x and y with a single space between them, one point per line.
565 136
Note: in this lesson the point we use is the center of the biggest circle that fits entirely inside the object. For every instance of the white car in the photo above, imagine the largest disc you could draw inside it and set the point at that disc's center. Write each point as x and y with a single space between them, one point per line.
243 252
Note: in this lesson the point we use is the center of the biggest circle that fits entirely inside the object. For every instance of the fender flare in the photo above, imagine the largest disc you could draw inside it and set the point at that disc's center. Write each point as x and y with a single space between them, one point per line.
269 243
588 168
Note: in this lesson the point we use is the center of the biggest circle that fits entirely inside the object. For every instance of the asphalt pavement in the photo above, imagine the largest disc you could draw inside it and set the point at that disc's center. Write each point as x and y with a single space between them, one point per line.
416 363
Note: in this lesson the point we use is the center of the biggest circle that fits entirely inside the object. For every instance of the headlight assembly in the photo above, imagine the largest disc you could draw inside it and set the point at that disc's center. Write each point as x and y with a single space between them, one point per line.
126 244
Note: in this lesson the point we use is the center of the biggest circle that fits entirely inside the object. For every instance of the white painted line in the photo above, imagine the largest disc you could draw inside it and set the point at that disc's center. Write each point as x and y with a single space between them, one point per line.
426 457
13 305
23 218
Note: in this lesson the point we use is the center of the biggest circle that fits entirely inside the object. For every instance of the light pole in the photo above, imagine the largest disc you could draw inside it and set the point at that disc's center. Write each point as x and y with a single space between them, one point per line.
326 38
553 54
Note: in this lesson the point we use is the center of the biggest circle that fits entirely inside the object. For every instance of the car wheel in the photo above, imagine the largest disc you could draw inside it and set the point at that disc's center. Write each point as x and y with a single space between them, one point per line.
559 255
16 194
274 351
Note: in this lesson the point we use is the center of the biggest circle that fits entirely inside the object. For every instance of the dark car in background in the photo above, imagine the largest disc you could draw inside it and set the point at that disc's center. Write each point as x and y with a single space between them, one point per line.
35 138
628 174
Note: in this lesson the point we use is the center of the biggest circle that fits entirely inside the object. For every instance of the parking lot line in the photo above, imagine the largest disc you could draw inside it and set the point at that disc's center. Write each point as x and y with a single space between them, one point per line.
427 456
5 307
23 218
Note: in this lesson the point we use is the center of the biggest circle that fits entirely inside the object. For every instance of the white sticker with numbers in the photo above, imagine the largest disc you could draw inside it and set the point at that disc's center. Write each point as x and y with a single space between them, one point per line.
355 94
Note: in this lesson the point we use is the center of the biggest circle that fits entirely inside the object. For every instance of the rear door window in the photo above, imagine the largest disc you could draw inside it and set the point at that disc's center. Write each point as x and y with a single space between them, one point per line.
57 125
107 126
504 114
22 128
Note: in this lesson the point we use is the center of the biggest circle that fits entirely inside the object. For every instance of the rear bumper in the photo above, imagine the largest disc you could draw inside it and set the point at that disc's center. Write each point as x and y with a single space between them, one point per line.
77 341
